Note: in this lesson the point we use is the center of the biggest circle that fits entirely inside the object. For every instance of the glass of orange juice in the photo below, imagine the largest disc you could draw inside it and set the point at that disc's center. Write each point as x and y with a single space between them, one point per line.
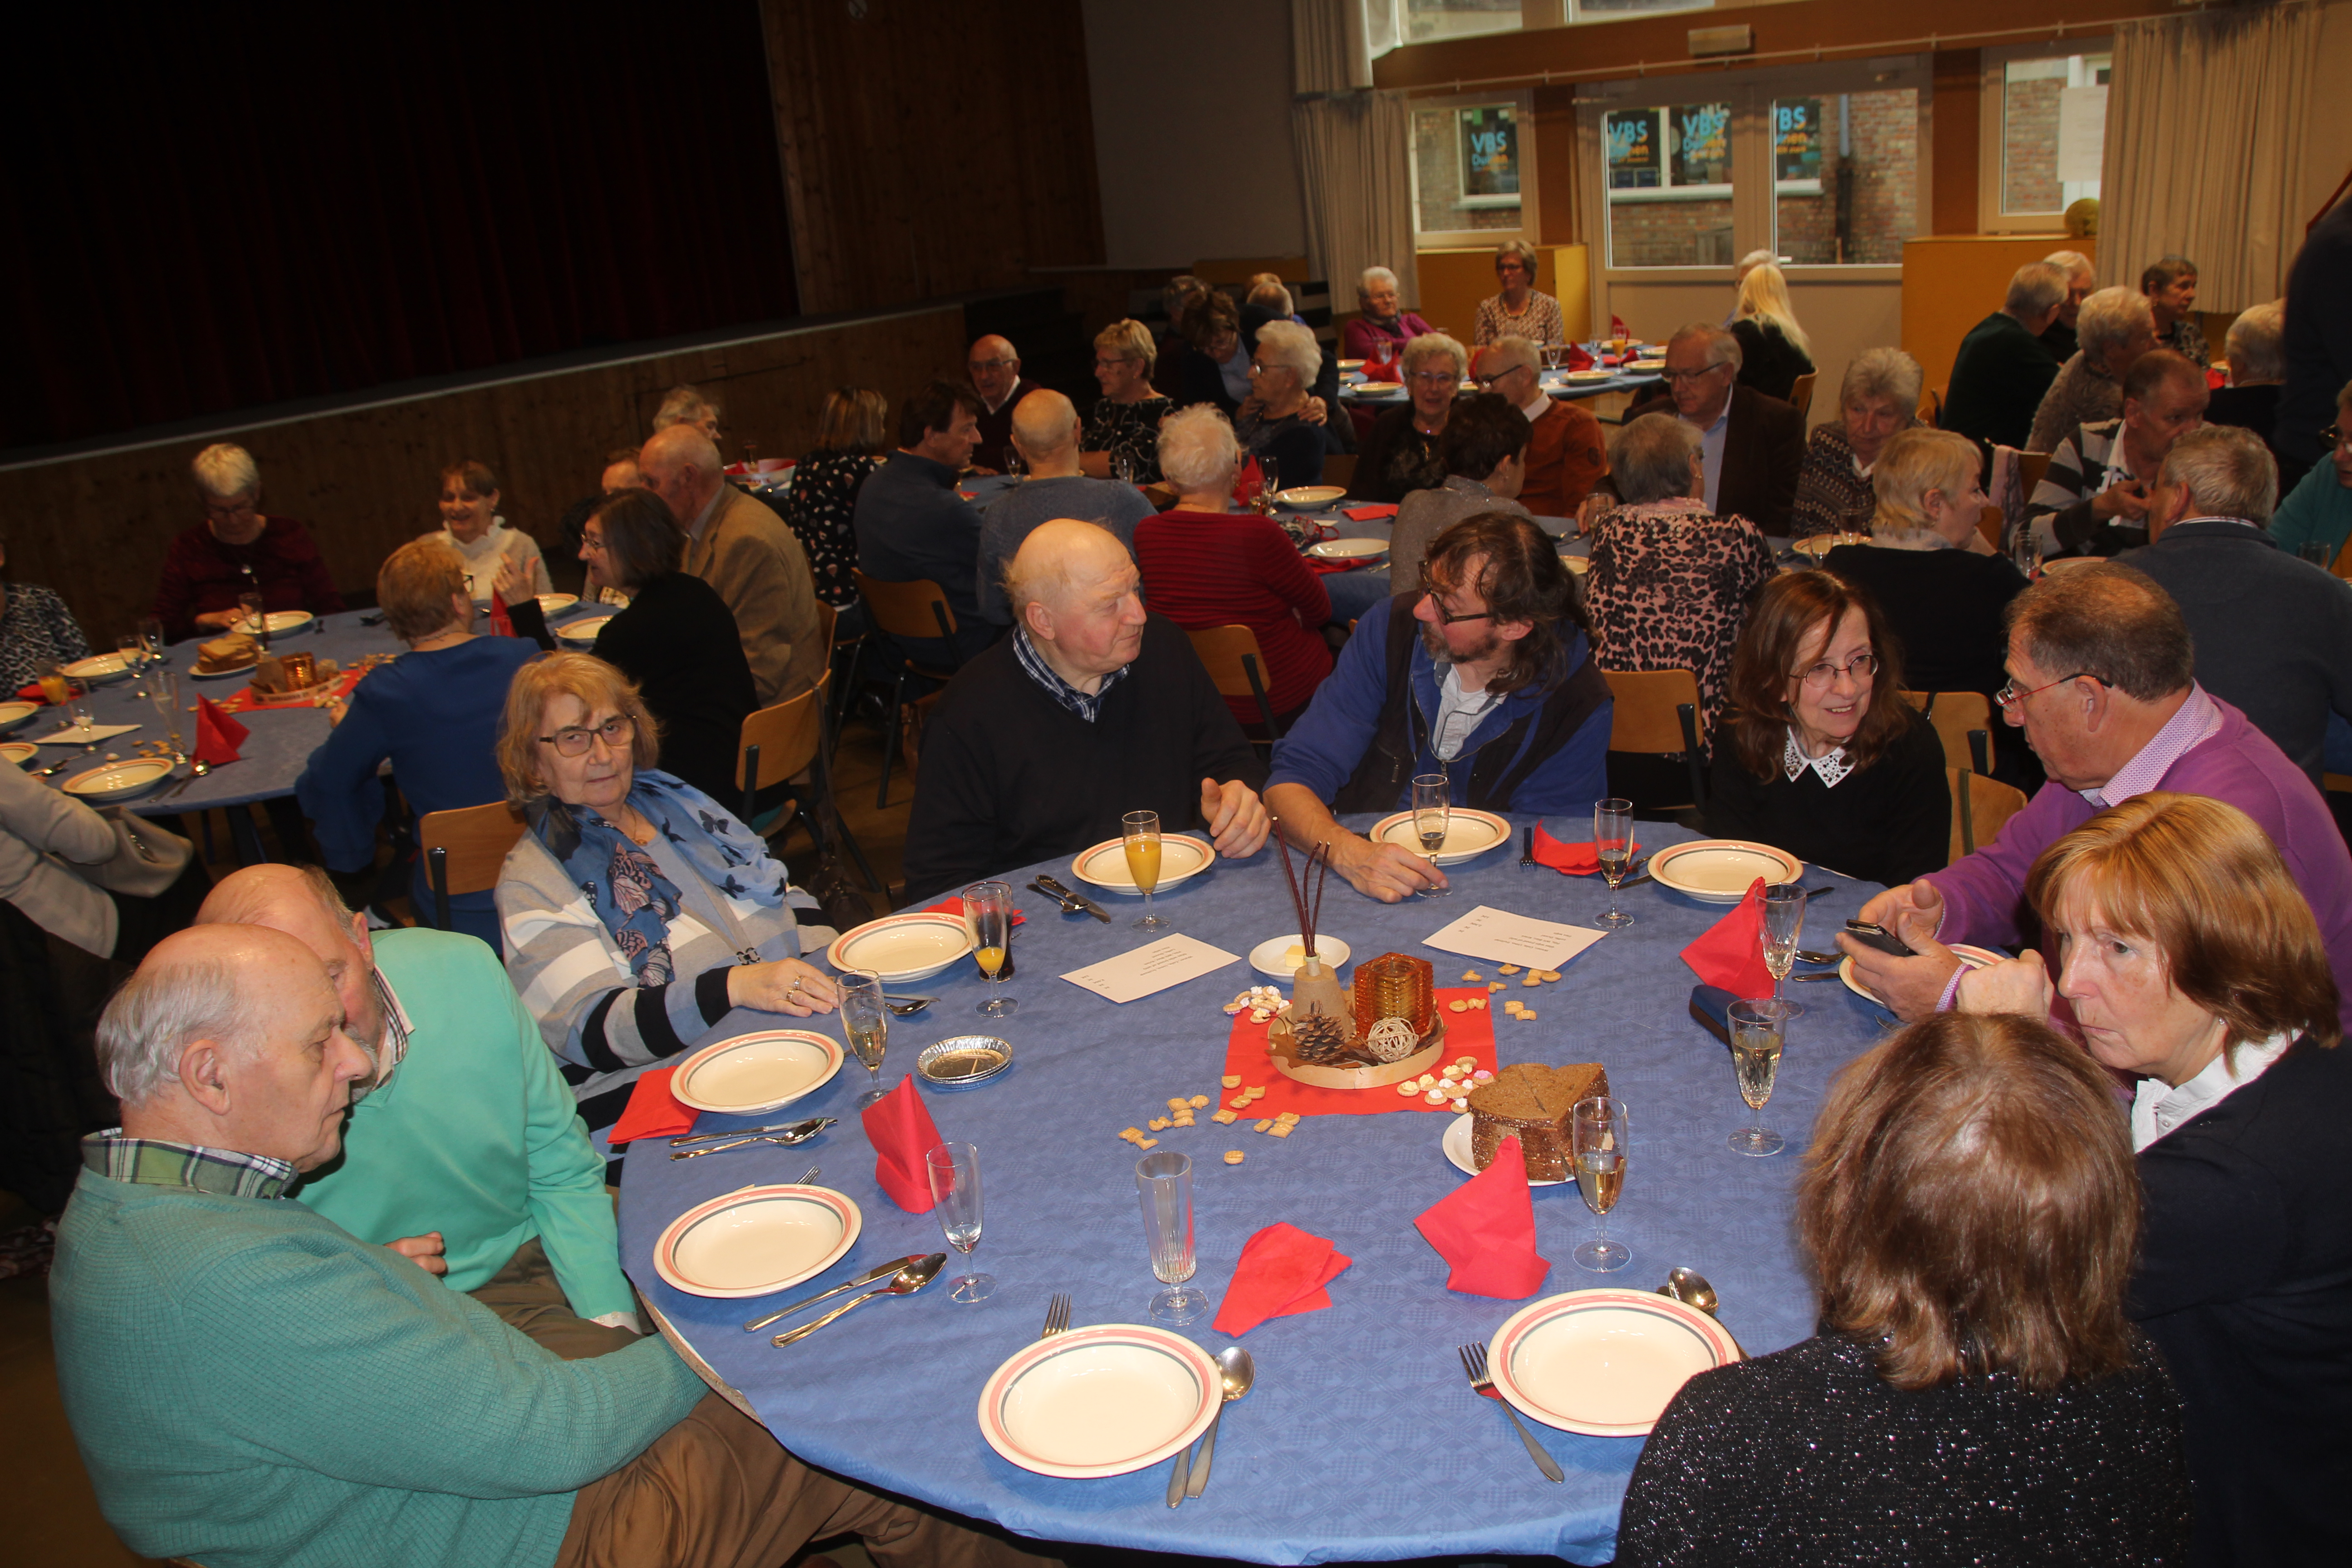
1141 832
988 916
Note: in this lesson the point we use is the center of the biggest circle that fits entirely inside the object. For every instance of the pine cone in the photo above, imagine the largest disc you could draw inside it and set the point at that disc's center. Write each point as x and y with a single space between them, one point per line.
1318 1041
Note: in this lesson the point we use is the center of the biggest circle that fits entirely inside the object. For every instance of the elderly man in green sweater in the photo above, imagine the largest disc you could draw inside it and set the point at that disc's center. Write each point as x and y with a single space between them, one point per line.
249 1384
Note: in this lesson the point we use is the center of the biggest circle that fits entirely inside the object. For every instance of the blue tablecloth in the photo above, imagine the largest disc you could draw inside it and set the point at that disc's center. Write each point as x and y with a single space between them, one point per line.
1361 1440
1354 388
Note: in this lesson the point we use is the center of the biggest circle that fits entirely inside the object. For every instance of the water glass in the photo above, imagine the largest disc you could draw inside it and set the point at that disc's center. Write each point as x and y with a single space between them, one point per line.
1597 1145
256 616
1269 473
1784 922
1122 468
133 654
954 1171
1141 832
1163 1182
988 916
1613 844
2316 552
1013 460
866 1022
163 691
1430 807
1758 1028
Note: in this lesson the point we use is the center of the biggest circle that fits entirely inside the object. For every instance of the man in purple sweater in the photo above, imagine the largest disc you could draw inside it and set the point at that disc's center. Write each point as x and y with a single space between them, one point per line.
2101 679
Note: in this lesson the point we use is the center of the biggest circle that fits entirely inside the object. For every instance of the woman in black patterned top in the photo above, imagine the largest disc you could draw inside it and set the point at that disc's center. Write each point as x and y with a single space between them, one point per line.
36 629
1878 400
1125 423
823 501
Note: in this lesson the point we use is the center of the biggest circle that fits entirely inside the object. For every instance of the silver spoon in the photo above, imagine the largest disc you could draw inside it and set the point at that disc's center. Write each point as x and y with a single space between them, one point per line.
906 1282
1238 1371
879 1271
907 1007
1689 1286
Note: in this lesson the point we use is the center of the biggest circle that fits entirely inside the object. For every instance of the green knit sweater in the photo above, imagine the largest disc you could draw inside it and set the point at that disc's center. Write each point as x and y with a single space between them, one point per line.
249 1384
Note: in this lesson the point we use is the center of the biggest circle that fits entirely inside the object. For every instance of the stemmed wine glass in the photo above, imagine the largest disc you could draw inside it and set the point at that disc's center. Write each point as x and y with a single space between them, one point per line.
1011 460
954 1171
1141 830
1784 922
1551 354
1163 1182
988 915
1612 843
163 691
1430 810
1122 468
133 654
866 1022
256 609
1597 1143
1383 351
1757 1030
1269 474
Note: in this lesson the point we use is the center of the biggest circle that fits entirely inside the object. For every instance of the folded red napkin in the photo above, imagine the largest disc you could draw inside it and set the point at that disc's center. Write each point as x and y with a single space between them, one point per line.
33 693
1322 568
1569 859
217 735
1576 358
1248 483
1731 952
1371 513
654 1111
1281 1273
900 1128
501 623
955 907
1392 372
1485 1230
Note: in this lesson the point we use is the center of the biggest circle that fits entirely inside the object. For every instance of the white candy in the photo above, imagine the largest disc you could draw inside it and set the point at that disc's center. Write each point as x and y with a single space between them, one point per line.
1434 1098
1462 1105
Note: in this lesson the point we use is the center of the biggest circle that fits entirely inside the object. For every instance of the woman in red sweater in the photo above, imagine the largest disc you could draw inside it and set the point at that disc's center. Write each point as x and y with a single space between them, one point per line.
1206 565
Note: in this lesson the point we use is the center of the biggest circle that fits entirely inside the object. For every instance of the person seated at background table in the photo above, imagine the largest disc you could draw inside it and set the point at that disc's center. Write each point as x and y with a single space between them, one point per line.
749 557
2094 497
1773 349
2005 365
1272 423
1045 432
1179 297
914 525
2190 963
1671 580
1485 675
36 629
1379 318
2317 513
432 713
1400 453
196 1314
1093 707
1565 455
2082 278
1517 310
1752 445
629 871
1879 397
2171 285
2256 354
471 526
1204 564
820 509
1819 755
689 406
1217 369
1485 449
2101 680
1124 425
2115 327
464 1153
995 366
620 472
237 550
1969 1206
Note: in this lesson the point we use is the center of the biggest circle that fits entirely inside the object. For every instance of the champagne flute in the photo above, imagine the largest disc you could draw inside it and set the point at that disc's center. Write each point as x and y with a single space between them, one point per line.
954 1171
1269 474
1612 842
988 915
133 654
1141 830
255 613
1011 460
1757 1030
1430 809
866 1022
163 691
1784 922
1163 1183
1597 1143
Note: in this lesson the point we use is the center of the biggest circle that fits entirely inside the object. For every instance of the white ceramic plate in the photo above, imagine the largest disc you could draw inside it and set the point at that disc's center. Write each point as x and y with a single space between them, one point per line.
1456 1145
1590 375
1351 364
1350 550
1468 834
1603 1363
755 1072
1718 870
13 713
280 621
1821 545
120 780
901 948
1269 957
18 751
550 603
582 631
758 1240
1099 1401
1310 495
99 669
1104 865
1974 957
240 671
1579 564
1647 366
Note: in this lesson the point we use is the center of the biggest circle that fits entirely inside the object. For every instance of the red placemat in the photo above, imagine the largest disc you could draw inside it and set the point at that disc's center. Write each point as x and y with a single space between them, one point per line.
1469 1033
244 701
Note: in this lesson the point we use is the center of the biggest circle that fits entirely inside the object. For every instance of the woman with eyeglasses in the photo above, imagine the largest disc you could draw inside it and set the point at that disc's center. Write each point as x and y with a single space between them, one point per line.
2318 510
1274 421
1401 452
1821 757
624 871
1125 424
1517 310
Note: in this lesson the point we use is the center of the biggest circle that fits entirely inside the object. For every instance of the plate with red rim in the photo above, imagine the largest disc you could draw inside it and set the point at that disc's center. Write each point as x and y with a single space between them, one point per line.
902 948
1099 1401
583 630
14 712
18 751
1720 871
1604 1363
1974 957
757 1240
764 1071
120 780
1104 865
1468 834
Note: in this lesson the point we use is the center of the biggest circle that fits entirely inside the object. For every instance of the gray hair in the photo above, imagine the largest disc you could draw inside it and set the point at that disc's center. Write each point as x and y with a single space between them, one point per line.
1651 458
2035 288
1512 352
1889 373
1431 345
1372 277
2111 317
1197 447
1721 343
1521 249
684 405
1293 347
2227 471
2256 342
223 469
2073 261
162 1010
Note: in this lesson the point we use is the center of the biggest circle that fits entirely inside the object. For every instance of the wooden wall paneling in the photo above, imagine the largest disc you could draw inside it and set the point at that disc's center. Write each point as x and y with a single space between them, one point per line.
1957 114
1950 284
1557 167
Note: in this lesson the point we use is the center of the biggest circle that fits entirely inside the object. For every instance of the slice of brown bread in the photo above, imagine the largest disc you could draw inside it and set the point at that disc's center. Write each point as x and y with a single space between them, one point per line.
1531 1101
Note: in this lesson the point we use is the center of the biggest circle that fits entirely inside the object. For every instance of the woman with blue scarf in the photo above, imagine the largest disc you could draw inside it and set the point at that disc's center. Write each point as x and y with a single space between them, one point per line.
637 911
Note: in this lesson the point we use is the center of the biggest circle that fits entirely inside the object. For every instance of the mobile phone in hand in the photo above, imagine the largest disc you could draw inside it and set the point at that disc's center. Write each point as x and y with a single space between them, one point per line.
1879 937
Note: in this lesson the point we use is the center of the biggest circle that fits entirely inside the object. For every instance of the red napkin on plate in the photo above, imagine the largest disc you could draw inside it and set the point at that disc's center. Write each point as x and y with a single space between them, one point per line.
1569 859
33 693
900 1128
1485 1230
1371 513
654 1111
1731 952
217 735
1576 358
501 623
955 907
1322 568
1281 1273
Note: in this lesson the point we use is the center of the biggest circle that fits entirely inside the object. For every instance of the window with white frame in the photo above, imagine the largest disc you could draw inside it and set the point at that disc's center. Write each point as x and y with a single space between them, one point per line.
2045 124
1472 169
1669 185
1393 24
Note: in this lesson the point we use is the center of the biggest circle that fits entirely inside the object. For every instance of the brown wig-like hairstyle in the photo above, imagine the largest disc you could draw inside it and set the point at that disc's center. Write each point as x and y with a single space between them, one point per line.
2198 881
643 540
1214 313
1792 607
855 419
414 585
1522 580
474 475
580 675
1971 1205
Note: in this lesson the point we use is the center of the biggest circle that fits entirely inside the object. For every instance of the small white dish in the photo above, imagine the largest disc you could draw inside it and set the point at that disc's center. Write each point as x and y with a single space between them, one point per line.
14 713
1720 871
1603 1363
1579 564
756 1241
1468 834
18 751
1349 549
1974 957
760 1071
1310 496
1104 865
99 670
582 631
1272 956
119 781
1099 1401
1592 375
902 948
549 604
1455 1145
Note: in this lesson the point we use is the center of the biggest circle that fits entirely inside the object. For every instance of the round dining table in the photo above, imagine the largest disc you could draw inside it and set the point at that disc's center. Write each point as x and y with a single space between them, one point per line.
1361 1439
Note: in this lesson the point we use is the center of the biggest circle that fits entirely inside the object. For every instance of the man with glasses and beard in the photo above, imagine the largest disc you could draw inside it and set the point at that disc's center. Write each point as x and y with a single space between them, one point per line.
1485 675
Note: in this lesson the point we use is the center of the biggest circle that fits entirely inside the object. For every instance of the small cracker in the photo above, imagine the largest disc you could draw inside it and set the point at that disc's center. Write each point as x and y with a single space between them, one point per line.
1231 1080
1472 974
1532 981
1478 1004
1507 969
1457 1005
1281 1131
1156 1123
1132 1133
1239 1102
1177 1102
1198 1101
1548 975
1227 1116
1262 1126
1493 986
1527 1015
1149 1144
1234 1156
1289 1118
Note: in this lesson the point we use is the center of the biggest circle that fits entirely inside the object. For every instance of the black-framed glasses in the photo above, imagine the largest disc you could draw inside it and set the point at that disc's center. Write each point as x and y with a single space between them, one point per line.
1492 376
1672 376
592 541
1447 618
1823 675
2011 699
574 741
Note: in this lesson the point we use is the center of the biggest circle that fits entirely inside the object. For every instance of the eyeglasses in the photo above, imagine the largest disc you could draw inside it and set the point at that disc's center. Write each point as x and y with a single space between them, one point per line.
2011 699
980 364
592 541
1672 376
1433 377
617 732
1823 675
1446 617
1491 377
2335 437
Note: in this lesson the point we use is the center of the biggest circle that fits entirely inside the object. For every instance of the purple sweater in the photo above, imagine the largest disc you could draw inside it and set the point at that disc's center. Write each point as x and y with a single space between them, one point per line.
1984 893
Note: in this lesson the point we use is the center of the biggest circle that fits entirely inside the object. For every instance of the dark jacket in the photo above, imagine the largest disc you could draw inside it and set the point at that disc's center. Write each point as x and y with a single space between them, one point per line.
1889 822
1768 362
2318 336
677 641
913 524
1999 378
1763 448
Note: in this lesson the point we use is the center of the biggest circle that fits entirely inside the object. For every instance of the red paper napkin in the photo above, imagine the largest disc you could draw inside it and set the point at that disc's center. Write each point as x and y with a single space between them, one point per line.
1485 1230
217 735
654 1111
501 623
34 693
900 1128
955 907
1371 513
1322 568
1469 1033
1568 859
1281 1274
1731 952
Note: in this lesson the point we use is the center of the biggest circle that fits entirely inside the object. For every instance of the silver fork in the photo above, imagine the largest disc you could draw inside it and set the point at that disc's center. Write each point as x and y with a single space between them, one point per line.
1058 1317
1474 1362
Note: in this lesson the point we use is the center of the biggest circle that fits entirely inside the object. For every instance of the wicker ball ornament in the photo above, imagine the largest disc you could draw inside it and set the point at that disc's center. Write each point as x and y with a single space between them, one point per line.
1391 1041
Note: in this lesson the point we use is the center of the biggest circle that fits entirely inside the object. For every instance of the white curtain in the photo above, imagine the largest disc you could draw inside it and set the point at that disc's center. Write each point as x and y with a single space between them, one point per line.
1353 147
2206 139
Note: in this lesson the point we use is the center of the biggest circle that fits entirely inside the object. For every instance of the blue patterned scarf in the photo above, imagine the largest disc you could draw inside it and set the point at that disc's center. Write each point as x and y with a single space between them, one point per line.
625 886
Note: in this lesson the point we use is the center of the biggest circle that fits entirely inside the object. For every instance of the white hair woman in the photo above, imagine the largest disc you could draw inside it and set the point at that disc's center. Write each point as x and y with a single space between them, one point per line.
1879 397
1773 349
1125 425
1517 309
1399 452
237 550
2115 326
1274 422
1382 326
2256 351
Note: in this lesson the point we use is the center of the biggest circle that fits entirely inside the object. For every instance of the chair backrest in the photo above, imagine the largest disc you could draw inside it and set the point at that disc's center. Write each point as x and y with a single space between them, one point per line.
828 616
2031 467
1955 714
1338 468
1990 522
1931 406
1646 717
1800 392
1981 808
1237 667
786 734
916 609
476 838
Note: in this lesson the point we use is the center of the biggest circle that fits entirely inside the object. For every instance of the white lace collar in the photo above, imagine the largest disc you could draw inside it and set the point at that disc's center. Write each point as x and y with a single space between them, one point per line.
1831 766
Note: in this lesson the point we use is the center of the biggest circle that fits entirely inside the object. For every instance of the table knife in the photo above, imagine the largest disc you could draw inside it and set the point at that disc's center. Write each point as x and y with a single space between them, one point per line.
1080 899
806 1130
1528 849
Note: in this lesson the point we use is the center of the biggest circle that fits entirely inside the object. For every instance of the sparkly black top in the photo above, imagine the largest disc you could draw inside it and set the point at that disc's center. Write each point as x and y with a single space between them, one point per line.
1807 1455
